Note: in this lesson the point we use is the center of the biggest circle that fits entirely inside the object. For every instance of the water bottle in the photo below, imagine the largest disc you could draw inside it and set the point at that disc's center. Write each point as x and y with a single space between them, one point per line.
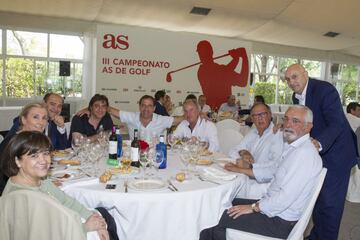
161 146
119 143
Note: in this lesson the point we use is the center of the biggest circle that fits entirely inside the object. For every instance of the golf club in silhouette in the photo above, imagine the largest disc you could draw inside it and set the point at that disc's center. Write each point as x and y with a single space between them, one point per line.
168 75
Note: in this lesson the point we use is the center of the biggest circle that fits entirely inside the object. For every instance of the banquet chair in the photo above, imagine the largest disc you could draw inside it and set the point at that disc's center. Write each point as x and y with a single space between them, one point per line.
228 139
67 127
299 228
228 124
1 138
31 215
353 193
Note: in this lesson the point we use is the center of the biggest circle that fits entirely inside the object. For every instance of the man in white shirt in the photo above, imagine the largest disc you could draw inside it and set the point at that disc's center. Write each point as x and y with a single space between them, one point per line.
258 153
230 105
202 104
195 126
353 115
275 214
146 121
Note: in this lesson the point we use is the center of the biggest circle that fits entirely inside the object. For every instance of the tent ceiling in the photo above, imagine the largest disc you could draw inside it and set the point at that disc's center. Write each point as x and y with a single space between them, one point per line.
299 23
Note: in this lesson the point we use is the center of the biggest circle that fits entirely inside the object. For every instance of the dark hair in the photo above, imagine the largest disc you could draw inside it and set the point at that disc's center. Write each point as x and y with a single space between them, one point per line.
159 94
190 96
147 97
352 106
46 97
98 97
259 99
263 104
26 142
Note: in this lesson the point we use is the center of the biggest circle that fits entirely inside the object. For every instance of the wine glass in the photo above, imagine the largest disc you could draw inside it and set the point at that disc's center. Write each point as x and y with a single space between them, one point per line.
144 160
171 139
126 159
76 143
158 160
186 159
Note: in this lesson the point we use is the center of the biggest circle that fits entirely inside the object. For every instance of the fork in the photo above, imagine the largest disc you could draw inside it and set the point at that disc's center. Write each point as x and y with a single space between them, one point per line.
207 180
172 185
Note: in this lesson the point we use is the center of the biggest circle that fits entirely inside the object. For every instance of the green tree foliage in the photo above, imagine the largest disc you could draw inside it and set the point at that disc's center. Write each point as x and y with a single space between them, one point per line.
267 90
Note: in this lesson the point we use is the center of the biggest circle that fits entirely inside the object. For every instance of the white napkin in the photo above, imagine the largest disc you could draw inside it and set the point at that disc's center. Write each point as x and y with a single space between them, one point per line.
80 182
216 173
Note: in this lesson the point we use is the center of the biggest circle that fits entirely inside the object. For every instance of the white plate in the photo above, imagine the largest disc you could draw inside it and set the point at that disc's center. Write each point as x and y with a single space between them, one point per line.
64 175
61 154
147 185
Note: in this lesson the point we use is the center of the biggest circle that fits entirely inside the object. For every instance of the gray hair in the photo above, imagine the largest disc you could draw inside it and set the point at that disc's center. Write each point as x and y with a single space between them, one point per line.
308 113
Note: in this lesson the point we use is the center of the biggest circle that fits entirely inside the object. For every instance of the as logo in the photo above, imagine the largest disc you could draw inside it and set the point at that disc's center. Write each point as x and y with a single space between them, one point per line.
116 42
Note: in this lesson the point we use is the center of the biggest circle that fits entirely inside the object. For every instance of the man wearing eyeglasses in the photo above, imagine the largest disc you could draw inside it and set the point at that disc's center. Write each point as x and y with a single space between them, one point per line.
258 153
336 144
276 213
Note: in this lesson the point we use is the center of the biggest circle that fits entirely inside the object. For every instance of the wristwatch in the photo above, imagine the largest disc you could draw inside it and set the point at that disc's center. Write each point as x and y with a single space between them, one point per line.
255 207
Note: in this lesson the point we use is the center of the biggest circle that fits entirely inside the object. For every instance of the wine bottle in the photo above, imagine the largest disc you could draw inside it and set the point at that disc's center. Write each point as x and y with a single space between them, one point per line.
161 146
135 146
113 144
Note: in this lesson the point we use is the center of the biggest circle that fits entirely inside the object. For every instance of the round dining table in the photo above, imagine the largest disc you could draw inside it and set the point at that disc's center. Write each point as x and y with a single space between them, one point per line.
164 213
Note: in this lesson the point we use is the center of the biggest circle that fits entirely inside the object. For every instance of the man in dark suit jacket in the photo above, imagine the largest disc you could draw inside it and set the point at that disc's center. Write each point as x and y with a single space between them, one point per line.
159 105
56 127
336 143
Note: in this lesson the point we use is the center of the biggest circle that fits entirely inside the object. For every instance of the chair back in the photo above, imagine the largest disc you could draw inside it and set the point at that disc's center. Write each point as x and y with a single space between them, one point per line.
298 230
228 124
228 139
357 133
32 215
67 127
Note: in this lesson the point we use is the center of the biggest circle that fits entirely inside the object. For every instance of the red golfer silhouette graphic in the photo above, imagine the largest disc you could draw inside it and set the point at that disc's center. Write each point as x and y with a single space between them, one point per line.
215 79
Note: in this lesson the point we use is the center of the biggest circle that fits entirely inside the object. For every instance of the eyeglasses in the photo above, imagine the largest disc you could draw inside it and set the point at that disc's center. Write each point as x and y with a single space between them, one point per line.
294 76
294 121
259 115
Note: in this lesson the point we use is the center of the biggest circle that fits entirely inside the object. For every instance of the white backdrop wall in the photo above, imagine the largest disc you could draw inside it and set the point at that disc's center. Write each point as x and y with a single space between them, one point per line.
125 83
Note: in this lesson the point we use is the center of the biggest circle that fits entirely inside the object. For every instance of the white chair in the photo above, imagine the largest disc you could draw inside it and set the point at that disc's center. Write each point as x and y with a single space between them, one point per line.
1 138
353 193
32 215
298 230
228 124
228 139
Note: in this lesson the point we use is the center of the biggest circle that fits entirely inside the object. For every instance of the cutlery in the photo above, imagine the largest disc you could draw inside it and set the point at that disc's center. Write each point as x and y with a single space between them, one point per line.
170 183
126 186
171 189
207 180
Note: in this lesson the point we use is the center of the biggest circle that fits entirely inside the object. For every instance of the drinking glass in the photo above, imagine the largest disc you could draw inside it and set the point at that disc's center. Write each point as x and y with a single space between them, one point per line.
144 160
158 160
76 143
126 160
171 139
186 159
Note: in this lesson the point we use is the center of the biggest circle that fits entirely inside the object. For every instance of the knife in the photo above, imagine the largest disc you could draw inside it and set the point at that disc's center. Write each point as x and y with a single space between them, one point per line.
170 183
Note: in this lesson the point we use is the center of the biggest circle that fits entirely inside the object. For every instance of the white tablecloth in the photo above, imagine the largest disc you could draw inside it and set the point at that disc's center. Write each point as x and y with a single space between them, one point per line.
161 215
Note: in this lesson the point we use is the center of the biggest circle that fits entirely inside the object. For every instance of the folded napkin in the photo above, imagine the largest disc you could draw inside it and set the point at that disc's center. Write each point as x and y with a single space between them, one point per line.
80 182
216 173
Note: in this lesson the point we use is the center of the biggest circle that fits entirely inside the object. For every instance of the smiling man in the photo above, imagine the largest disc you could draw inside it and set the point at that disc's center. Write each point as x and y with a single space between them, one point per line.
89 125
195 126
56 127
258 153
276 213
336 141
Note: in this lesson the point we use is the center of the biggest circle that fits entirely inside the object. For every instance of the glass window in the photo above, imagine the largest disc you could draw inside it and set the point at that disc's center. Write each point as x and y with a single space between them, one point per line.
26 43
265 88
19 77
313 68
40 77
265 64
73 84
54 82
64 46
1 72
1 47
